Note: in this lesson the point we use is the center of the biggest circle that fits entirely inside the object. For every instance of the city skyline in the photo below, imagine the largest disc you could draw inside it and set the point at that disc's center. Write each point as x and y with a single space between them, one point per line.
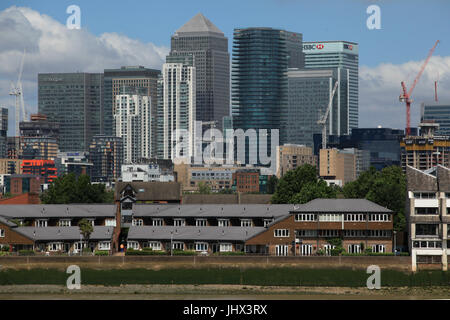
381 69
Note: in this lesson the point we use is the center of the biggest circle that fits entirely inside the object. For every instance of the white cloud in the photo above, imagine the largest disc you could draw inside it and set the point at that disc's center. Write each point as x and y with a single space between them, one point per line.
380 89
51 47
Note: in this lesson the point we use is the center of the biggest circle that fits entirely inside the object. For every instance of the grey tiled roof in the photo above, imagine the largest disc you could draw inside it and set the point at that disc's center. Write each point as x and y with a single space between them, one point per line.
57 210
216 210
64 233
7 222
193 233
341 205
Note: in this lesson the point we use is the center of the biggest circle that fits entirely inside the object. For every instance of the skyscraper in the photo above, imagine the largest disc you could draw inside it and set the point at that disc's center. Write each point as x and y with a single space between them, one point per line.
337 54
439 112
176 108
309 95
3 132
208 46
75 102
130 76
132 120
261 57
106 155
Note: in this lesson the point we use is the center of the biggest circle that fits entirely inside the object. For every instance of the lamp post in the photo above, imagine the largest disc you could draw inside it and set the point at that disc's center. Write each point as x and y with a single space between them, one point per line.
395 243
171 243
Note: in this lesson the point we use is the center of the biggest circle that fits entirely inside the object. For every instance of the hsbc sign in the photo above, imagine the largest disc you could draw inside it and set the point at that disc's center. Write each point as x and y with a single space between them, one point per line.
313 46
326 47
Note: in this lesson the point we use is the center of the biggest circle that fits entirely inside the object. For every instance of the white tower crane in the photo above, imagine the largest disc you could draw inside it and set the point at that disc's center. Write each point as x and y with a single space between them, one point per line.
323 120
17 91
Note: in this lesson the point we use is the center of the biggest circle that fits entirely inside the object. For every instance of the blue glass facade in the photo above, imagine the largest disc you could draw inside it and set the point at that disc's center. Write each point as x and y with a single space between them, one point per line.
439 113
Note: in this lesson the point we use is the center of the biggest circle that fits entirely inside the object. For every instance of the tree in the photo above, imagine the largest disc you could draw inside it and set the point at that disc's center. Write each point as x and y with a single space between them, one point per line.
272 184
386 188
69 189
86 229
204 188
292 182
314 190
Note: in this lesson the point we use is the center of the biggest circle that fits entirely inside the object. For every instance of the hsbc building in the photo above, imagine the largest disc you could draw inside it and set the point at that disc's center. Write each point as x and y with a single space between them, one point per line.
337 54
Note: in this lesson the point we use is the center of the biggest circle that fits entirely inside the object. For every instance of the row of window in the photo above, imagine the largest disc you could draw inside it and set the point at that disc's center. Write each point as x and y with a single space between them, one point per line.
42 223
346 233
180 222
337 217
307 249
178 245
59 246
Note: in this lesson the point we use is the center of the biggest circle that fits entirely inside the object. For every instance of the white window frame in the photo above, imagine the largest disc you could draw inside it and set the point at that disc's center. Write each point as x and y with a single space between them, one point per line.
246 222
281 250
354 248
223 222
201 222
281 233
137 222
306 249
155 245
104 245
267 222
41 223
201 246
178 245
226 247
179 222
381 248
2 233
302 217
55 246
110 222
157 222
64 222
133 245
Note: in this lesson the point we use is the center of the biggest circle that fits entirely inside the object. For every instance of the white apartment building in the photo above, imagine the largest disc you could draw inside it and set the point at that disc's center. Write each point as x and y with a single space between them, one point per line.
144 173
132 122
177 111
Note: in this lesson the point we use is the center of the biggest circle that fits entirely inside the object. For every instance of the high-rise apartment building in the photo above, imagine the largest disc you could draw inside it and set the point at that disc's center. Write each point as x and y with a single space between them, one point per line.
106 156
177 109
439 112
38 138
132 121
337 166
130 77
3 132
291 156
207 45
261 57
337 54
75 102
309 95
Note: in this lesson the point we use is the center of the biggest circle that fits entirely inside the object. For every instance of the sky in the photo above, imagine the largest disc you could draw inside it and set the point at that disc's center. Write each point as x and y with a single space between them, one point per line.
137 32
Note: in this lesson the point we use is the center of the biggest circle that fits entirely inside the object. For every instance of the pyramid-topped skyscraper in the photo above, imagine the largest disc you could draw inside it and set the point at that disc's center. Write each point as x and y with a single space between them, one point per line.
208 46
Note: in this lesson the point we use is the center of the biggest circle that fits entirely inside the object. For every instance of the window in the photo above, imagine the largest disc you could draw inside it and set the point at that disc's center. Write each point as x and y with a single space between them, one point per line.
201 246
110 222
223 222
281 233
281 250
354 233
328 247
104 245
176 245
330 217
2 233
137 222
306 249
380 217
427 244
64 223
424 195
157 222
426 211
246 222
328 233
200 222
179 222
427 229
354 248
226 247
133 245
155 245
305 217
355 217
379 248
267 222
55 246
41 223
379 233
307 233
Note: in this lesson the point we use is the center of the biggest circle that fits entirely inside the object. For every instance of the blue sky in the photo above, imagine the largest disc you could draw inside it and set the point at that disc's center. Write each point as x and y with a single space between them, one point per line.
137 32
409 27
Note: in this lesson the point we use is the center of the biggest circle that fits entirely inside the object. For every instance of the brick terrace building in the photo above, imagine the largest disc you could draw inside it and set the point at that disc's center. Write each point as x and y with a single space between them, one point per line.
246 180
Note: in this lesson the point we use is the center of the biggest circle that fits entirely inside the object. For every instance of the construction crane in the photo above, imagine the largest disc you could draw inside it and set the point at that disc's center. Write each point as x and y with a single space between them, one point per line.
406 95
17 91
323 120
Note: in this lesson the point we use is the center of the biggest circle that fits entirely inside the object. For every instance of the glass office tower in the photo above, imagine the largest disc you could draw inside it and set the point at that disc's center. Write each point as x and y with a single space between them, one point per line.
439 112
261 57
75 102
337 54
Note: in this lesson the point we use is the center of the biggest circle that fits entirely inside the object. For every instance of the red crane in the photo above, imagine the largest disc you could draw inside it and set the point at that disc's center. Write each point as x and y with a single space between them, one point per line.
406 96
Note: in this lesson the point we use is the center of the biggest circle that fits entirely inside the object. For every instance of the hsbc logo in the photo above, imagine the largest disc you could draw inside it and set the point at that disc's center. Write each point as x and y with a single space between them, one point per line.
348 46
313 46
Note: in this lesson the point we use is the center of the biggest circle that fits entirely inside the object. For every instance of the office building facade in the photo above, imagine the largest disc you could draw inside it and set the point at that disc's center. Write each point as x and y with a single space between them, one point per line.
439 112
133 123
75 102
200 39
338 54
106 156
309 95
130 77
177 110
261 57
3 132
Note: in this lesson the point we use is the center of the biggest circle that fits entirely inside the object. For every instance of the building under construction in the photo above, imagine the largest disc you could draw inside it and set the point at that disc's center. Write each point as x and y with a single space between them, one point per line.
426 150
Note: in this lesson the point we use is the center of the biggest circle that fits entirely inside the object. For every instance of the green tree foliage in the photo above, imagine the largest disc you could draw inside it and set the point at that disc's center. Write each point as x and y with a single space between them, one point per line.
69 189
204 188
86 229
314 190
386 188
272 184
301 185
